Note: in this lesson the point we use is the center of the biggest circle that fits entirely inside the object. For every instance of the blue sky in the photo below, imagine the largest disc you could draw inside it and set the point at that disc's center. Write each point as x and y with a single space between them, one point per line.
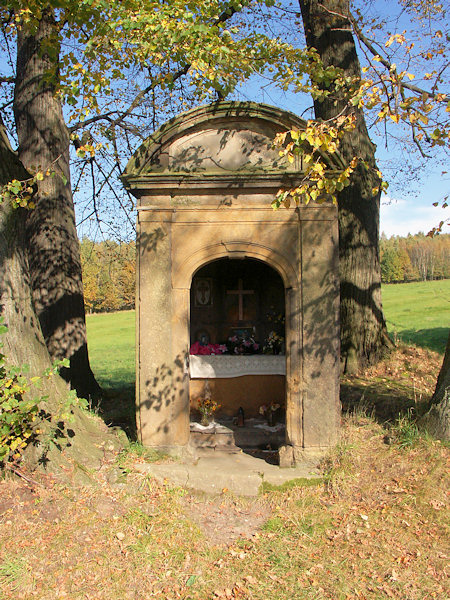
402 216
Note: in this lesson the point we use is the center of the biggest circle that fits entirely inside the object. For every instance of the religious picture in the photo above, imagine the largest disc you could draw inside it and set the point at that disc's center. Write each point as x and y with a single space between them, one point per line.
203 292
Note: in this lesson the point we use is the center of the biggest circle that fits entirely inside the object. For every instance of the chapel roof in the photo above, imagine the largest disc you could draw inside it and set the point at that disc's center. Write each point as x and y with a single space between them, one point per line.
221 139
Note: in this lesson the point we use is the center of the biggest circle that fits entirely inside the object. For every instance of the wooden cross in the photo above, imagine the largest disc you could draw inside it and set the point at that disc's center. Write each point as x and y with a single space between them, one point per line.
240 293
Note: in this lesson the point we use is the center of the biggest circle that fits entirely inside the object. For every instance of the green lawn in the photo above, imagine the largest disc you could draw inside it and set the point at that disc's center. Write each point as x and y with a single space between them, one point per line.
417 313
111 348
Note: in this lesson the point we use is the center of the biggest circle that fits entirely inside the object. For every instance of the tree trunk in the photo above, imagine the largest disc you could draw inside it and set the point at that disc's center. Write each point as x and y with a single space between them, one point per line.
363 328
53 249
23 342
85 440
437 419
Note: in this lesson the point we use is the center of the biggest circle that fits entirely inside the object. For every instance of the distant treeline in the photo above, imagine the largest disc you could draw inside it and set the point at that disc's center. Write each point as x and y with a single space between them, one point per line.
109 268
109 275
414 258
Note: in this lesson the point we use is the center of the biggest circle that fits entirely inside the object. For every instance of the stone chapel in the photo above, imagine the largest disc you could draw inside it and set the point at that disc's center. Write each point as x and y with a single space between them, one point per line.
234 299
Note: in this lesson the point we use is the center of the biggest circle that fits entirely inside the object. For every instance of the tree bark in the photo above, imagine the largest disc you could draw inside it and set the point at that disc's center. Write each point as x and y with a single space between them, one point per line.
84 440
437 419
23 342
363 328
53 249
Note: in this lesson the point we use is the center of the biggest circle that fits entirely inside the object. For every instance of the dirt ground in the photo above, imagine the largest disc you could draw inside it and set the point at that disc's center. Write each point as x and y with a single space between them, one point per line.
375 526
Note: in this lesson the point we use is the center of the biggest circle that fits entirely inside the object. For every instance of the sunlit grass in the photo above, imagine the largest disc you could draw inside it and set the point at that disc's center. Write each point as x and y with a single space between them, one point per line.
419 313
375 527
111 339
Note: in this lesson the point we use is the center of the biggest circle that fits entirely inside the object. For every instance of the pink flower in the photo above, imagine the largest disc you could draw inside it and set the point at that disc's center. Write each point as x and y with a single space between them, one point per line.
195 348
215 348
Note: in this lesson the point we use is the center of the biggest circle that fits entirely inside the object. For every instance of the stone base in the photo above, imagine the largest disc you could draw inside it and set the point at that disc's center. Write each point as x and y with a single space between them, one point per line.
212 437
256 434
290 456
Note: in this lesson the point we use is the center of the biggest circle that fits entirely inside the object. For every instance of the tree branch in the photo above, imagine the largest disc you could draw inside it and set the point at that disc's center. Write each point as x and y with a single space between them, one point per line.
368 44
104 117
224 16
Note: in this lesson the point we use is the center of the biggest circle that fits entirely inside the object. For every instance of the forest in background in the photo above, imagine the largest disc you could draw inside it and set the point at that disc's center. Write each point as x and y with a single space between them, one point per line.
109 267
109 275
414 258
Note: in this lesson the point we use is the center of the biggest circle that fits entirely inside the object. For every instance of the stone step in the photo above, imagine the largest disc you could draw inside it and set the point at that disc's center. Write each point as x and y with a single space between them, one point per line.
212 437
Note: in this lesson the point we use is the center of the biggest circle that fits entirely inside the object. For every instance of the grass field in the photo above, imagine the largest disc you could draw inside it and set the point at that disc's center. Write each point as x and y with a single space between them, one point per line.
419 313
416 313
111 348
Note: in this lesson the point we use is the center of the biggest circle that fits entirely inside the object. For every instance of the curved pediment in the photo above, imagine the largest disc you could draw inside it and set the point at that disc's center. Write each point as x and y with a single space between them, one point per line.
222 138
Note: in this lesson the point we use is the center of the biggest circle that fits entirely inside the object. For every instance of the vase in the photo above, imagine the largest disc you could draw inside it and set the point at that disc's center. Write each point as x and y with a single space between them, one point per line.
205 420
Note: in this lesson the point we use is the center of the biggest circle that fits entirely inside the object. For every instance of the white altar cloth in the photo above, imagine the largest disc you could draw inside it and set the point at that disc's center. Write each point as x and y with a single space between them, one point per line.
214 366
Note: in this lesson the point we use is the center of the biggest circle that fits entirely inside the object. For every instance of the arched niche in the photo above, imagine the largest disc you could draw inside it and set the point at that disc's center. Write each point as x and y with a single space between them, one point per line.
237 310
228 294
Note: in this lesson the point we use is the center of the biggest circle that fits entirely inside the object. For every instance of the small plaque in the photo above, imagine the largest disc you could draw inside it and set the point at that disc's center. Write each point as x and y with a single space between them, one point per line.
203 292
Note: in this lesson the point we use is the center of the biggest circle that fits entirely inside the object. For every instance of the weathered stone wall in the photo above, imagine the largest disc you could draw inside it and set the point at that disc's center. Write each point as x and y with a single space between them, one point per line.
216 205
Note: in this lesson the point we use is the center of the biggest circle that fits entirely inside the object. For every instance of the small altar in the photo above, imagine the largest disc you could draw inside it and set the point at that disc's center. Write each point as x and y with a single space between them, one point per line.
254 437
235 382
227 366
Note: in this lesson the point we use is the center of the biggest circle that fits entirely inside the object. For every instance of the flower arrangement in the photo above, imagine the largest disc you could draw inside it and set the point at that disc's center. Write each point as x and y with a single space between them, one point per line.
236 344
207 406
273 344
242 344
264 409
207 349
268 411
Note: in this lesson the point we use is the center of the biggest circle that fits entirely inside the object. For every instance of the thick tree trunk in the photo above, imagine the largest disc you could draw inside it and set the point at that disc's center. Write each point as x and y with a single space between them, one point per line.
23 342
53 249
85 439
363 328
437 419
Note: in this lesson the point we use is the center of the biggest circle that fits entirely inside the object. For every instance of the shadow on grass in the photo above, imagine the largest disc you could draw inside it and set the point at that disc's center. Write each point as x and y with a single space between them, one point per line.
385 400
117 407
433 339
